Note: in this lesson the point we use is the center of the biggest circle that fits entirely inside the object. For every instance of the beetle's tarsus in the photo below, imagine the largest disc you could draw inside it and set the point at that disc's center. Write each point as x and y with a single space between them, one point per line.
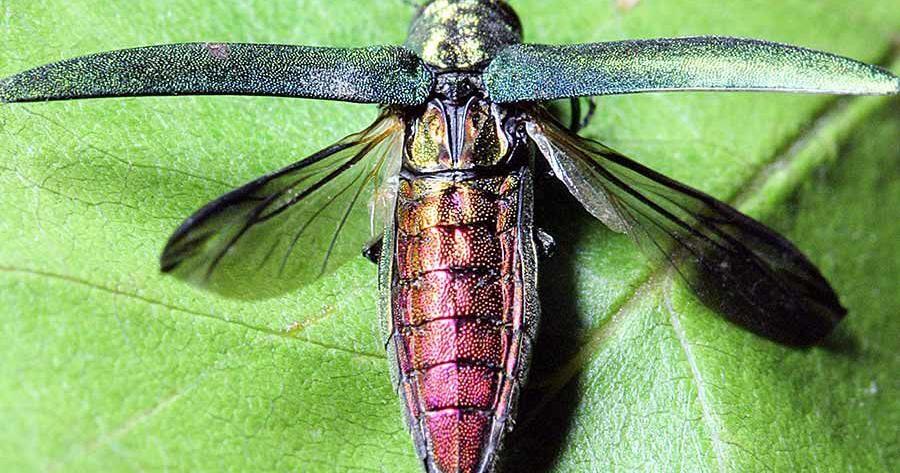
576 122
545 243
575 114
372 252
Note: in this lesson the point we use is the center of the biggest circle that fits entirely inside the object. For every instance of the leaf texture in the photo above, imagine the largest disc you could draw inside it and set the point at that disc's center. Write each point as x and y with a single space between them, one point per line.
108 365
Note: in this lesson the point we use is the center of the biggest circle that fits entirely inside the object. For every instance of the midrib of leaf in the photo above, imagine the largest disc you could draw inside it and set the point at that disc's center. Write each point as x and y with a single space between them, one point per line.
710 419
773 182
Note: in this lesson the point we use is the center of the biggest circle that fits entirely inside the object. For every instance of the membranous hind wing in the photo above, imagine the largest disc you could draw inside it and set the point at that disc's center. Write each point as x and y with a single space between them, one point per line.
736 265
287 228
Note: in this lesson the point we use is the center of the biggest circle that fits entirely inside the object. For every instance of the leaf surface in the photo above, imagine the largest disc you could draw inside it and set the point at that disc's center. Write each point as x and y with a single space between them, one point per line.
107 365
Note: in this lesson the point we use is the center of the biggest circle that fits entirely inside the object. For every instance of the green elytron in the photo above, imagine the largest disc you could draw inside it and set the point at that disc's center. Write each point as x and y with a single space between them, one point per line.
449 157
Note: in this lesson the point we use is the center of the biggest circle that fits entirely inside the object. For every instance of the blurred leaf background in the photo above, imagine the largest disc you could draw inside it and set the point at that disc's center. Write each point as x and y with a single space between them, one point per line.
108 366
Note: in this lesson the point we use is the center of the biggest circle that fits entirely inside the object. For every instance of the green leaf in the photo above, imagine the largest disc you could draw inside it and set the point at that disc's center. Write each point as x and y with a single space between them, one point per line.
109 366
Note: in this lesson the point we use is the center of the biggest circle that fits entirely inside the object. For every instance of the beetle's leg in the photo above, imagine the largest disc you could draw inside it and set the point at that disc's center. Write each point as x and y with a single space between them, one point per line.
546 244
576 122
543 173
372 252
575 114
592 108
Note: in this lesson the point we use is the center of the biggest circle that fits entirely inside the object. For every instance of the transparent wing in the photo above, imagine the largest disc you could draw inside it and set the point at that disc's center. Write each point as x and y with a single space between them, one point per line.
287 228
748 272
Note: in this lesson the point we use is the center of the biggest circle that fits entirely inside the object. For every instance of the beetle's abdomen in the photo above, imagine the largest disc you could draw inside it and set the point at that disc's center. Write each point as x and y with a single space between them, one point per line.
457 314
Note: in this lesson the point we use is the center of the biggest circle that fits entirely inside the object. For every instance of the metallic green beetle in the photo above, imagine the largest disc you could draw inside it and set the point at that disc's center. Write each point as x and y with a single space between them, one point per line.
450 164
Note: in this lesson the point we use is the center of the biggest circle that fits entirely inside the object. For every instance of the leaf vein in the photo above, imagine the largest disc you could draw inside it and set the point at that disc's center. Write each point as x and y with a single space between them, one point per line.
147 300
710 418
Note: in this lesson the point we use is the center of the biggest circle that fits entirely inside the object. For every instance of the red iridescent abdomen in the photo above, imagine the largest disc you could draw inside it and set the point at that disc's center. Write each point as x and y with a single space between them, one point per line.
457 313
460 281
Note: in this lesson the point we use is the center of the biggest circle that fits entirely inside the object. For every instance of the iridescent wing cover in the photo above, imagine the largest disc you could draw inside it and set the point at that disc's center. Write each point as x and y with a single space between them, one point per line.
534 72
735 264
287 228
378 74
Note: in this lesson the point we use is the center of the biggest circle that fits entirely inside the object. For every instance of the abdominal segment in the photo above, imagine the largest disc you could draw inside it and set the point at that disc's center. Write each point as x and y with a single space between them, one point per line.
457 308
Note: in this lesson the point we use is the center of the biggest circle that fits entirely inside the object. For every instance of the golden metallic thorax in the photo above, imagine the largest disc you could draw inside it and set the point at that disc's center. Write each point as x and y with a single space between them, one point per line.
457 138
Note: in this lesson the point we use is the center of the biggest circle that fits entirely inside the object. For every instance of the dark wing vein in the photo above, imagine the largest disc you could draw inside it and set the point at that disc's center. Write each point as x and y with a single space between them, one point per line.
736 265
285 229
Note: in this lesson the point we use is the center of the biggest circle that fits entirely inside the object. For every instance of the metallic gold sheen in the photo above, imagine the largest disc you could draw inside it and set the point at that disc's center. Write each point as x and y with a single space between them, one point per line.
463 34
430 202
485 143
482 142
429 148
539 72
